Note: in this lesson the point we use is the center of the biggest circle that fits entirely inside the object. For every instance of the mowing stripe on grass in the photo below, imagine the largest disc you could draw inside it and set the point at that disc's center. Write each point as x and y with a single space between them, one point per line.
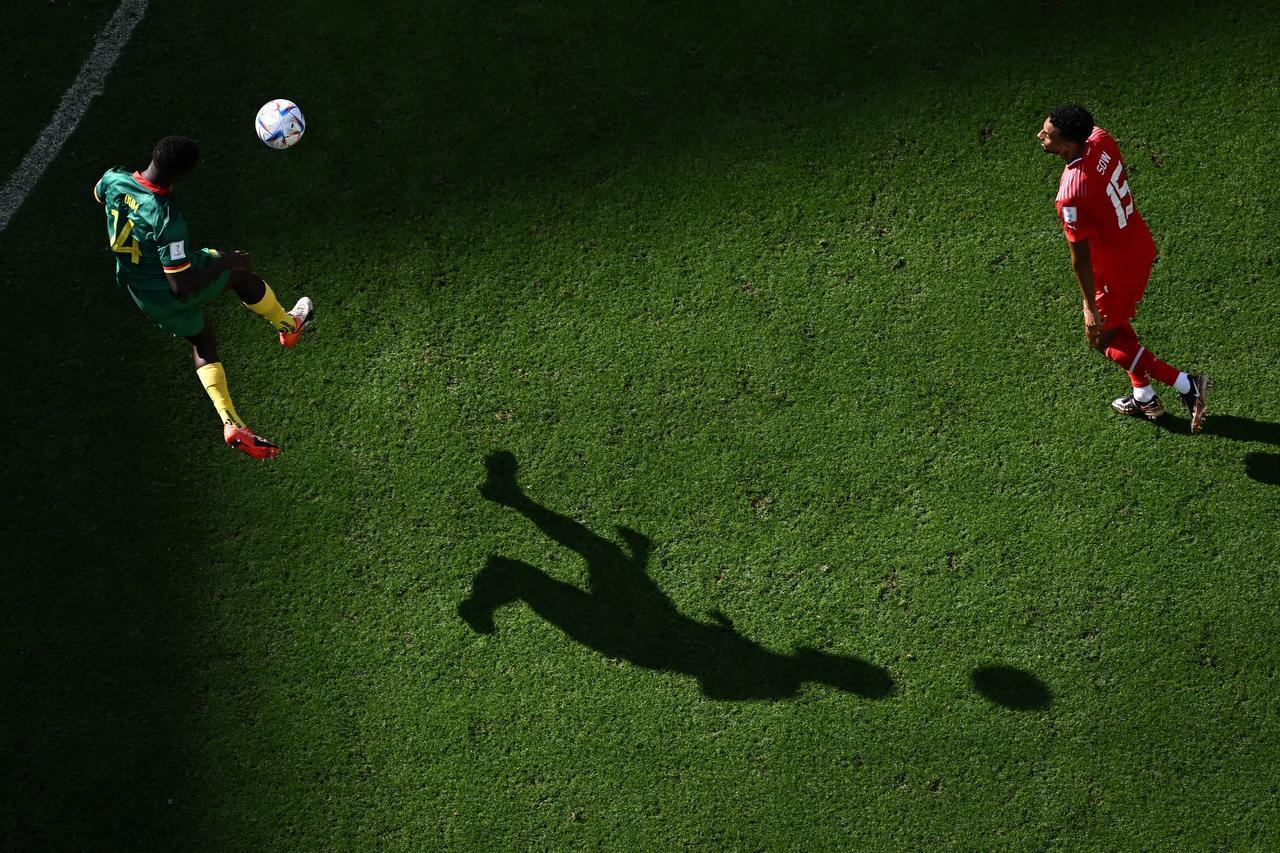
74 104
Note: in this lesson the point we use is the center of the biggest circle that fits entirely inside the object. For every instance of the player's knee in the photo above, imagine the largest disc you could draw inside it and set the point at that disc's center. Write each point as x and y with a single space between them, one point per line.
248 286
204 349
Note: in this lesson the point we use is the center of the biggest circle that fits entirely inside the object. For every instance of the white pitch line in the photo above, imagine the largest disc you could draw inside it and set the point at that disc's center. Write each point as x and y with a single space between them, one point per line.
75 103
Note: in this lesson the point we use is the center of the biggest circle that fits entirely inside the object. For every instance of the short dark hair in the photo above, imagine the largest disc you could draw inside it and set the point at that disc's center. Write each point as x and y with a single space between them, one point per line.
1073 121
175 155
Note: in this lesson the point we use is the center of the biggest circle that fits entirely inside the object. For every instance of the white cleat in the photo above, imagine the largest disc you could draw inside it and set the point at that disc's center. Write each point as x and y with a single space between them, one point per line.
302 312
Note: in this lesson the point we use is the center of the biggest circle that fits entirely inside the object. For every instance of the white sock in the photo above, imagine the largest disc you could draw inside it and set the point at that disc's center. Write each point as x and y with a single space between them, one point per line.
1183 385
1145 394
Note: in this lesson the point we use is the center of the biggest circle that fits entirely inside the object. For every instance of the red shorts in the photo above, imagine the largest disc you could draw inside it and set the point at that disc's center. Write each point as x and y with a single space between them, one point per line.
1117 296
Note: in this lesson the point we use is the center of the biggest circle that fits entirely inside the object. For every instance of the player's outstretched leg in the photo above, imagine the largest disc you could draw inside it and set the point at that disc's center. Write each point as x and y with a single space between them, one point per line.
214 379
259 298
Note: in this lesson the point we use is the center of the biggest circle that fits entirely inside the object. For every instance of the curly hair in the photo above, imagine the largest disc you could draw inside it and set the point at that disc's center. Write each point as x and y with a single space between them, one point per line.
1073 121
175 155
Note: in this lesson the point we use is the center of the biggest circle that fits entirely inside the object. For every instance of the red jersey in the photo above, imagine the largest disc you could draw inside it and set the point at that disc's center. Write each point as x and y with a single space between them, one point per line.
1094 203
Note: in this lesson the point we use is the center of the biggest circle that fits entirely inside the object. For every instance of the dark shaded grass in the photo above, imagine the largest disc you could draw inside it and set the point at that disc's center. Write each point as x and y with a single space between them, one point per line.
776 285
42 46
106 521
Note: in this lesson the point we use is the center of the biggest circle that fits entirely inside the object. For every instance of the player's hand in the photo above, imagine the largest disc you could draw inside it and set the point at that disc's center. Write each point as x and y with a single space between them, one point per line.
239 261
1093 321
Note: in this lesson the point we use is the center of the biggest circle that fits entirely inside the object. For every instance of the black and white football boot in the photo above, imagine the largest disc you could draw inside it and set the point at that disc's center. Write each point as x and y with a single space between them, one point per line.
1197 399
1127 405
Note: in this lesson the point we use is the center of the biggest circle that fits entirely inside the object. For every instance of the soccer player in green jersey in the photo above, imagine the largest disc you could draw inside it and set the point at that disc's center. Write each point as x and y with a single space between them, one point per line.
171 281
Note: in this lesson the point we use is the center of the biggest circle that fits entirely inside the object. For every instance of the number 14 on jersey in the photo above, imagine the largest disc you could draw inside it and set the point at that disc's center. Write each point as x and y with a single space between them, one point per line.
119 235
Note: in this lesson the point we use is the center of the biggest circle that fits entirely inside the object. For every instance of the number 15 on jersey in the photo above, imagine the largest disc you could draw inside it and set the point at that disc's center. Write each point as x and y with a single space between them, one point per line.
1121 198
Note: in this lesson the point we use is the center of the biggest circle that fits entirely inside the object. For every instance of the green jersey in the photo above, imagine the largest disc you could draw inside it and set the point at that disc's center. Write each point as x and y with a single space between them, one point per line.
145 229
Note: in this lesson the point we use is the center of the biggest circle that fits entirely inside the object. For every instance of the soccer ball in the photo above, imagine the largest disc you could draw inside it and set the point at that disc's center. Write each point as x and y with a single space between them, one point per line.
280 123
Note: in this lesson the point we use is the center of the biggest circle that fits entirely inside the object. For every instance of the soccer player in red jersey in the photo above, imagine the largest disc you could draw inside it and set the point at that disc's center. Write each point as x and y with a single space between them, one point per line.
1111 254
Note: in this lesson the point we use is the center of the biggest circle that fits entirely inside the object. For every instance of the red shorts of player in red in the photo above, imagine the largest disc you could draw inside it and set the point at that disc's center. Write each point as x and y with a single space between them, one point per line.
1117 301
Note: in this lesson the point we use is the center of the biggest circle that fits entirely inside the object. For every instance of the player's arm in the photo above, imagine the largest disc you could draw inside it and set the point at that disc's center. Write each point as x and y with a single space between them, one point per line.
176 259
190 279
1077 229
1082 266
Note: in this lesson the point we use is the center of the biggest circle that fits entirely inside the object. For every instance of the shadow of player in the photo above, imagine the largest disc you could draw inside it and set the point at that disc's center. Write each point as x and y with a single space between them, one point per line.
1226 426
1262 467
623 613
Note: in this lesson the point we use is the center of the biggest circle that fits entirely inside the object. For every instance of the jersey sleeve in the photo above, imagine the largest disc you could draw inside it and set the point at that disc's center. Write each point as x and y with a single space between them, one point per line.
100 188
1075 220
171 241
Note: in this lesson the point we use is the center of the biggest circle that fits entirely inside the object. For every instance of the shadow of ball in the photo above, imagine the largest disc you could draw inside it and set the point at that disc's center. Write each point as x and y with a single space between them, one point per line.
1263 467
1012 688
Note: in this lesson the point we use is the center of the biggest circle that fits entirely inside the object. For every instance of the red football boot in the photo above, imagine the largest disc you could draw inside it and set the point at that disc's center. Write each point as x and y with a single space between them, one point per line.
243 439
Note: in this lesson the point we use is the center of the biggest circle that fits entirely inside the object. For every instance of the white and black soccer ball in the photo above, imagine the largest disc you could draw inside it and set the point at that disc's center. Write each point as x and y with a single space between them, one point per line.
280 123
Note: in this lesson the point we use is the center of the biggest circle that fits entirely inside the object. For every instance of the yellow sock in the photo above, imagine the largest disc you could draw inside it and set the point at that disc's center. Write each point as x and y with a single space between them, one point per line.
269 307
214 380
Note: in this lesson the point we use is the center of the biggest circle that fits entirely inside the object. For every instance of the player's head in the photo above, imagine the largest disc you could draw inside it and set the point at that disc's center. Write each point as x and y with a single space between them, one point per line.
1066 130
174 157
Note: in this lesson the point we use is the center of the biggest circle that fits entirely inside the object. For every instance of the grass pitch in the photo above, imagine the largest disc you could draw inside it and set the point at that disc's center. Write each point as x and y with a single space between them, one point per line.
827 538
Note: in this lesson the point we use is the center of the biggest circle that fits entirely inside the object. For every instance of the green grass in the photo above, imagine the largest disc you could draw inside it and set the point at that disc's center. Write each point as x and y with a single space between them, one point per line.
778 286
42 46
